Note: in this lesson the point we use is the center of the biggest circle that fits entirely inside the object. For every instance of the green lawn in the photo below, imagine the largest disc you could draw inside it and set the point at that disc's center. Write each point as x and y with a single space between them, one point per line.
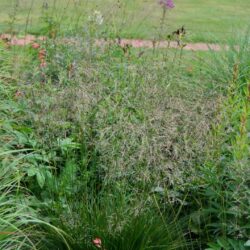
204 20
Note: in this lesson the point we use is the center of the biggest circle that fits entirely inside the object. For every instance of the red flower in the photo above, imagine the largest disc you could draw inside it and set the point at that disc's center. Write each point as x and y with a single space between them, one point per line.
18 94
41 54
97 242
41 57
43 64
35 45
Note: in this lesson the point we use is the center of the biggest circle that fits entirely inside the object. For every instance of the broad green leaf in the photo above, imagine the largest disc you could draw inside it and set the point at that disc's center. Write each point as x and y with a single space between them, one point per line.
40 179
213 246
31 171
247 244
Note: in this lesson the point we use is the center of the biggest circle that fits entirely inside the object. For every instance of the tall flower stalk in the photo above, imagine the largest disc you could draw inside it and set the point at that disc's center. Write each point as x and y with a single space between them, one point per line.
166 4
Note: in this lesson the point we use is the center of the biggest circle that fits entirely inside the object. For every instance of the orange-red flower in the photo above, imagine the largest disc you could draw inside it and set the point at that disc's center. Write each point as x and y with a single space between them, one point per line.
41 57
42 54
35 45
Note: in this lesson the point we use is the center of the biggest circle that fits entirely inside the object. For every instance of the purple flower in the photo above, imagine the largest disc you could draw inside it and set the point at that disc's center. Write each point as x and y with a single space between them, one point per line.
168 4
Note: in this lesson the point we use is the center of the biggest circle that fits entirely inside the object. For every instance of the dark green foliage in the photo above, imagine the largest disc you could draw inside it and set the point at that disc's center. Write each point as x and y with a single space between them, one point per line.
221 184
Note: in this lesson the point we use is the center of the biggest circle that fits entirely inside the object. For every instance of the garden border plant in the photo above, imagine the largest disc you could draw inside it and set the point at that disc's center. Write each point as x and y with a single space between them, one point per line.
105 150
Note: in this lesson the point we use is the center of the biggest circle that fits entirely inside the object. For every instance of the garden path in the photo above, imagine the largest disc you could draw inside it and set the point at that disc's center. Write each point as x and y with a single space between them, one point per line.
136 43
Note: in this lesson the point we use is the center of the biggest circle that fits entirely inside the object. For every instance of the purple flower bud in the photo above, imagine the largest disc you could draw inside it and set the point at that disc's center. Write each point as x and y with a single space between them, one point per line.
168 4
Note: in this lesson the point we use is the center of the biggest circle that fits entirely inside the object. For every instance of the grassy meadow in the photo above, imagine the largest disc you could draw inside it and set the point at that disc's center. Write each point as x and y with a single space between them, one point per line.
118 148
205 21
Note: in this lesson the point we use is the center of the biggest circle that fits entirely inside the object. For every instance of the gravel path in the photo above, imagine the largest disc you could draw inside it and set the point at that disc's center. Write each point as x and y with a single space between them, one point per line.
136 43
